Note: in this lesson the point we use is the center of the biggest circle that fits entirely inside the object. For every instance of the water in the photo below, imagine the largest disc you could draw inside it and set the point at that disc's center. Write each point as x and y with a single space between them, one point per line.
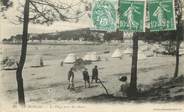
52 52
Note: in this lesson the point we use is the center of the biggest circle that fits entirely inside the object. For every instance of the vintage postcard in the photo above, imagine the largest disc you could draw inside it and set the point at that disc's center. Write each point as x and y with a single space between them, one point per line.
92 55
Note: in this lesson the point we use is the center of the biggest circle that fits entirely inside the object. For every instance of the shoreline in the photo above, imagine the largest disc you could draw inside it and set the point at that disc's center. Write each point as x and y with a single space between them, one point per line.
53 43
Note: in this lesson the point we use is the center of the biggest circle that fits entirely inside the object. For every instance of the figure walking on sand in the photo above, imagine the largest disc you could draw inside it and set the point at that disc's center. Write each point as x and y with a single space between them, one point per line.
160 13
86 77
94 74
129 14
71 79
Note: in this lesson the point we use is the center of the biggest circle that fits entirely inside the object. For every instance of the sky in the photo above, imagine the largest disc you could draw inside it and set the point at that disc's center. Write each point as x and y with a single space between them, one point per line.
8 28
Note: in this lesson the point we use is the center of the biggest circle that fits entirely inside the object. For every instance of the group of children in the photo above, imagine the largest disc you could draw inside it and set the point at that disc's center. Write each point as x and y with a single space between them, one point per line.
86 77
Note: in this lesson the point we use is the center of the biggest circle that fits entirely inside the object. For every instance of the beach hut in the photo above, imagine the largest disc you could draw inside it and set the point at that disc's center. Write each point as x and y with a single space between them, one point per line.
37 61
1 59
181 52
144 48
91 56
127 51
141 56
117 54
149 53
71 58
94 56
10 64
182 45
86 57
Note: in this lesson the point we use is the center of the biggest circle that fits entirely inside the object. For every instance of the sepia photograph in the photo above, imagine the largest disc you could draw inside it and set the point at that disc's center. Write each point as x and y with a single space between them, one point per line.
91 55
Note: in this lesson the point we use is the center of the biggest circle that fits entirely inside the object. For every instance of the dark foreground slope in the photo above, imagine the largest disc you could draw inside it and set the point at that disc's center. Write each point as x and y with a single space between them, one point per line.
164 89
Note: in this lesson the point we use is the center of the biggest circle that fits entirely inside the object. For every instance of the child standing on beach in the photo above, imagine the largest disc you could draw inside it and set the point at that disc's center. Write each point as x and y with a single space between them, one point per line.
86 77
95 74
71 79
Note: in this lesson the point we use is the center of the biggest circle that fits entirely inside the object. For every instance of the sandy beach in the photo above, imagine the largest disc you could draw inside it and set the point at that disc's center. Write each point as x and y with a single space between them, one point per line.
48 84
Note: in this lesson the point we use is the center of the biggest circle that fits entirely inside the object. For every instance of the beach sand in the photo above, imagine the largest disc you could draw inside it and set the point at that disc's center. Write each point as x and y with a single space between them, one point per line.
48 84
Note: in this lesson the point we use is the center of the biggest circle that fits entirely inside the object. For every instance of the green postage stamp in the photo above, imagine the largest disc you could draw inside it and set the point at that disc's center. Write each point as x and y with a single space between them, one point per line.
104 15
132 15
162 15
